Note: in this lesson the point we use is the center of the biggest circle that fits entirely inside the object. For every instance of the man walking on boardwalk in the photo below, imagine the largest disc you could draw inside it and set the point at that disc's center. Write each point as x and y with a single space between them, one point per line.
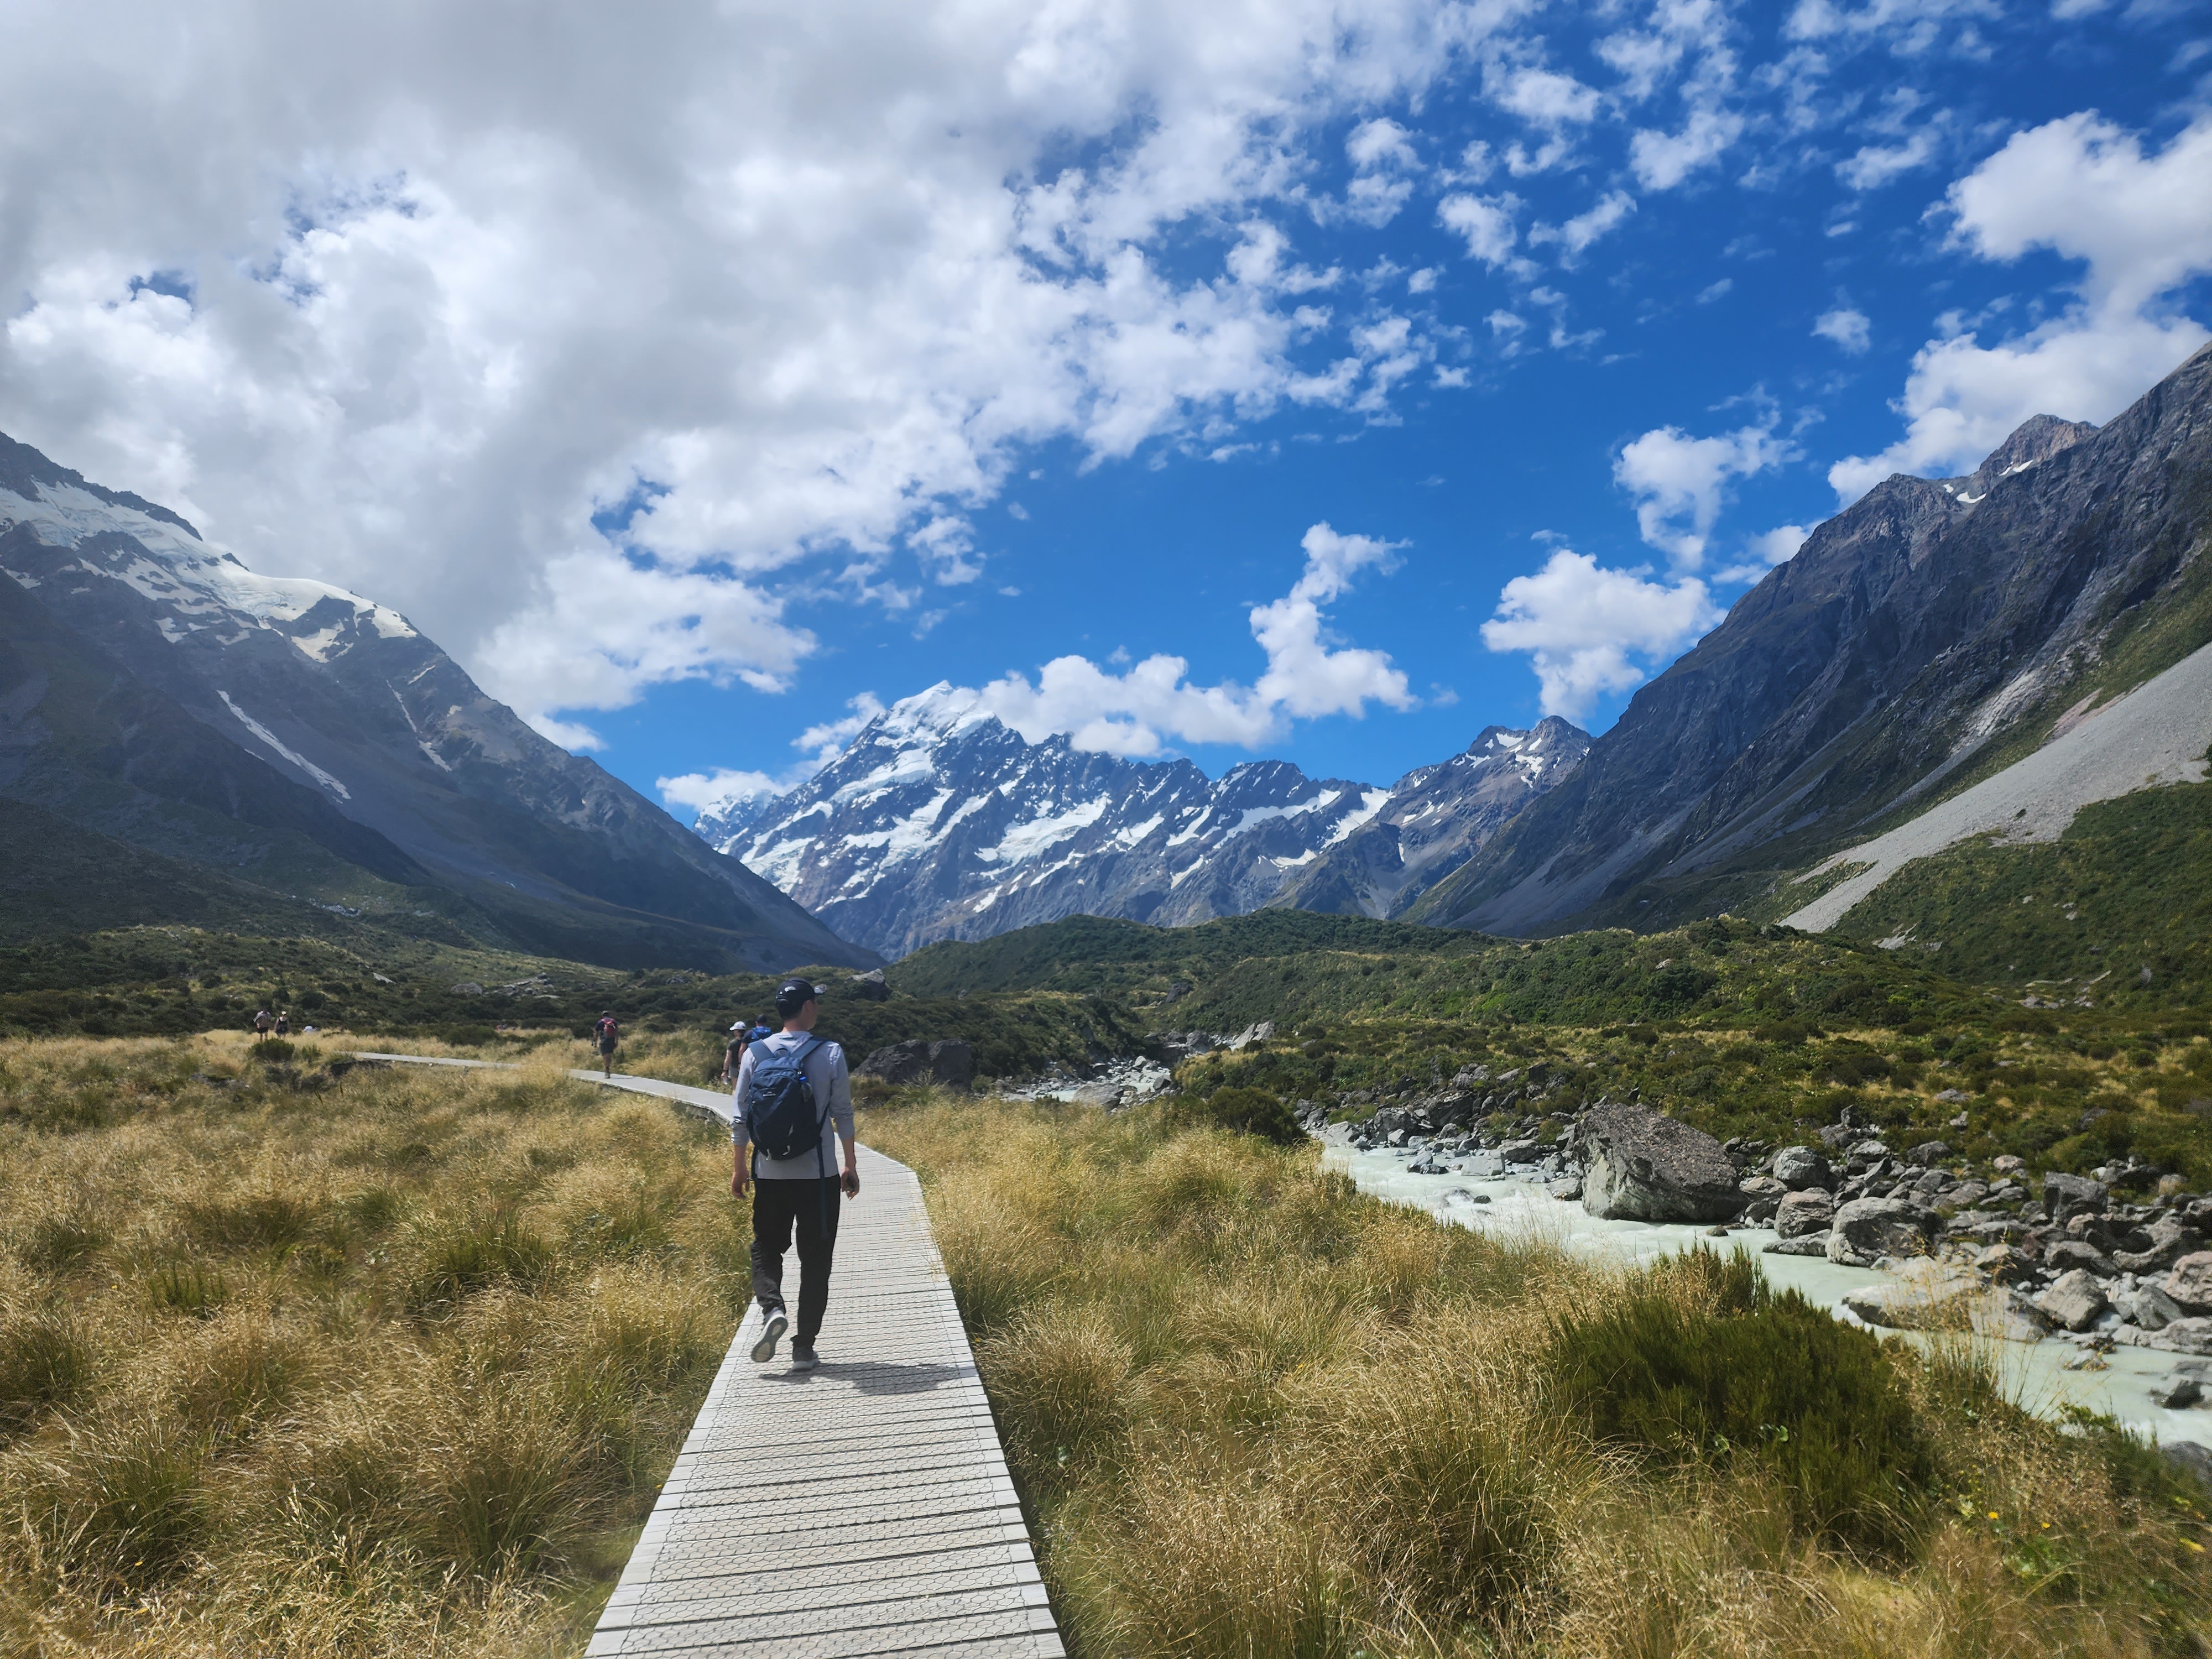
793 1092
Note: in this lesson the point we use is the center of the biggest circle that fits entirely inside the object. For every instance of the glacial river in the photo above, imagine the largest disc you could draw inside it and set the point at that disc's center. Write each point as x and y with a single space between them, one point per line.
2034 1372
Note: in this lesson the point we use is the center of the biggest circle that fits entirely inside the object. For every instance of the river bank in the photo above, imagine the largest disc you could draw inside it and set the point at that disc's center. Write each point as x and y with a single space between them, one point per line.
2043 1375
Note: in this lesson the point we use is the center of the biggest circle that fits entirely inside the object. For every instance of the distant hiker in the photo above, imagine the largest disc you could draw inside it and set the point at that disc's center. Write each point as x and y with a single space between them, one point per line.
261 1022
283 1022
609 1034
792 1093
741 1036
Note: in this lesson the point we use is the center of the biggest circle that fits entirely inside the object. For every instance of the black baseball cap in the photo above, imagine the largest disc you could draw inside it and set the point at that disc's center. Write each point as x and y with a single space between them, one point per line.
792 995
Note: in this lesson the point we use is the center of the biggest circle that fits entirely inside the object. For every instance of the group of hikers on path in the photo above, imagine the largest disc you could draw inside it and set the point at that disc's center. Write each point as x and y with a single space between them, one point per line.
791 1118
267 1026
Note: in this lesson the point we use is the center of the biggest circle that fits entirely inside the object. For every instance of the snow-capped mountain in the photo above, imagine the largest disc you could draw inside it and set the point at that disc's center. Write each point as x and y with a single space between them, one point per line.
938 821
1437 817
155 689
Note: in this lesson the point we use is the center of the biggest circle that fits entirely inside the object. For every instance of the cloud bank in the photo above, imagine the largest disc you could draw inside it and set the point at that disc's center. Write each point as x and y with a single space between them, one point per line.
578 340
2140 225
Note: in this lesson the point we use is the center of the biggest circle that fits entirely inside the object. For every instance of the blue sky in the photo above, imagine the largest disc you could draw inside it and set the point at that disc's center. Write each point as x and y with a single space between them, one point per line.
702 397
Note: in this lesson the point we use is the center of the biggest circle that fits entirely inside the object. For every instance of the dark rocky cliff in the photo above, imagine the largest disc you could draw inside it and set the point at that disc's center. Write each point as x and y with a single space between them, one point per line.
1915 635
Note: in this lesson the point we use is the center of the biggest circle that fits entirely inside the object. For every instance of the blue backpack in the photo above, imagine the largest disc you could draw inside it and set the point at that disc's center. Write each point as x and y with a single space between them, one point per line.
781 1116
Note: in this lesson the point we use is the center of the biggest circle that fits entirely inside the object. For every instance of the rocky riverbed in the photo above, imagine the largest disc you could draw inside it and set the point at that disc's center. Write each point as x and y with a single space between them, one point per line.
2100 1288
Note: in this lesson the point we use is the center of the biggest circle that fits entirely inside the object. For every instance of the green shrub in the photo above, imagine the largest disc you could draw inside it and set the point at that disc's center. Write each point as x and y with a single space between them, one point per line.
509 1480
120 1499
1702 1359
266 1221
57 1243
270 1049
187 1287
42 1363
462 1254
1249 1111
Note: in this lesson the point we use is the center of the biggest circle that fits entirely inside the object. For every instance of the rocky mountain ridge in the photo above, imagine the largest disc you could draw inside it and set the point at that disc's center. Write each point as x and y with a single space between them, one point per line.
155 689
938 821
1922 637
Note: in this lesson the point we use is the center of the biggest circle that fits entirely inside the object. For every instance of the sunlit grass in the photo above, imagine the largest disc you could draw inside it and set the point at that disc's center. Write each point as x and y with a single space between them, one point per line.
391 1365
1252 1413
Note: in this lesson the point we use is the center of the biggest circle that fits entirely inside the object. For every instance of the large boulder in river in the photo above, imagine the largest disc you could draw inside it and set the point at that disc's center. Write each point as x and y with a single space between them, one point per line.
2074 1300
1803 1214
2190 1284
1645 1167
1799 1167
1867 1229
949 1062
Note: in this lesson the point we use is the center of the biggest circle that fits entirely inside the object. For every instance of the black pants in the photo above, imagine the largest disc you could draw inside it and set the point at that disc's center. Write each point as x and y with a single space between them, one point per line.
808 1207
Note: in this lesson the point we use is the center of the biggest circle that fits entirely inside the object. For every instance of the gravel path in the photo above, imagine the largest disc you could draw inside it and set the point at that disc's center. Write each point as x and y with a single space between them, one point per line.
2156 734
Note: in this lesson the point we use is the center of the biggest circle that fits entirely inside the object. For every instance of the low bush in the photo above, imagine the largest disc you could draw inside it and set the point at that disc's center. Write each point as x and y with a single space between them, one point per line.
42 1365
1248 1111
1700 1358
457 1254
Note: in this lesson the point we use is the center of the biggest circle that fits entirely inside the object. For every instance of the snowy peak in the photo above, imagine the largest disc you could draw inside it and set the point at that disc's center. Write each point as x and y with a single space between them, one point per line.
940 712
1551 745
158 556
938 821
1435 818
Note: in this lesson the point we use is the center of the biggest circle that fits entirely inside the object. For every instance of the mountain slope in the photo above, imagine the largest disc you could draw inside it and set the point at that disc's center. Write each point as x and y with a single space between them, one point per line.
1436 818
158 691
1921 639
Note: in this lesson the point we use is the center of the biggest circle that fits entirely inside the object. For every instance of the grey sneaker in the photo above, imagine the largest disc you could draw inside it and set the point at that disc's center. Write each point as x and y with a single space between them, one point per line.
803 1359
771 1332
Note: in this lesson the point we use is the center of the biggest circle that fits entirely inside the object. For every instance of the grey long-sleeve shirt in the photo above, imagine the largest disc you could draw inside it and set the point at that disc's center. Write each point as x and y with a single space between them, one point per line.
833 1086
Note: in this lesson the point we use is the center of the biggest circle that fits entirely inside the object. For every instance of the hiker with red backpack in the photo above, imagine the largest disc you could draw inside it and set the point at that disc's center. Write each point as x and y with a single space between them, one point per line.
609 1034
792 1093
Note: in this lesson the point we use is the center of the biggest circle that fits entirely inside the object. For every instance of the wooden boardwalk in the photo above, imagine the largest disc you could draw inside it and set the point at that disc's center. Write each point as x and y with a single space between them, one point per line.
859 1509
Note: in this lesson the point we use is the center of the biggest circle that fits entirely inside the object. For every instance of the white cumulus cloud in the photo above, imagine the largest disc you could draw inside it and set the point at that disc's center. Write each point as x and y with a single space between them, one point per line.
2142 225
1139 709
1589 631
822 743
1484 224
701 791
1576 234
1664 160
1680 484
1852 329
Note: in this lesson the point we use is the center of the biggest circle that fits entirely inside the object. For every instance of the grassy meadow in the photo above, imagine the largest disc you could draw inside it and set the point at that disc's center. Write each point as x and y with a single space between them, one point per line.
391 1363
303 1360
1254 1413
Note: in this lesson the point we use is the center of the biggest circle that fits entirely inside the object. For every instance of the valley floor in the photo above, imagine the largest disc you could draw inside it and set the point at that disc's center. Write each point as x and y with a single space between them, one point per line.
299 1359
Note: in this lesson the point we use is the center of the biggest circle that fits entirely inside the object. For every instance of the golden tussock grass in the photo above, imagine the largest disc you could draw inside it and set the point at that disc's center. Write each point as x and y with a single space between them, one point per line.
1253 1413
391 1366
